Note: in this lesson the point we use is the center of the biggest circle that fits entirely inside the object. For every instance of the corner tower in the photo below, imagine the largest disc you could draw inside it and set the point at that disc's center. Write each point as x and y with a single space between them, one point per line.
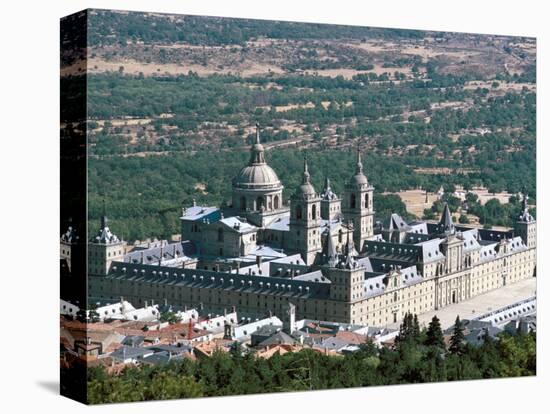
358 205
526 226
104 248
305 220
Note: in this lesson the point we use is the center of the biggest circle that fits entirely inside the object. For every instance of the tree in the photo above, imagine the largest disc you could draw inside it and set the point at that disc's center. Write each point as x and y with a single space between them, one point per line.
416 328
463 219
409 330
434 335
457 338
169 317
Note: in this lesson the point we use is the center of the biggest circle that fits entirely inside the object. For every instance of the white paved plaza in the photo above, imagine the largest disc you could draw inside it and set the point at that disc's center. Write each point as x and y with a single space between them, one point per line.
481 304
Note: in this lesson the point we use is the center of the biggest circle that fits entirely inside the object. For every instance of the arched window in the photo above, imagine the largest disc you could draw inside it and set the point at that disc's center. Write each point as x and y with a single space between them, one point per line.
340 236
352 201
243 203
276 202
314 211
259 203
220 234
298 212
367 200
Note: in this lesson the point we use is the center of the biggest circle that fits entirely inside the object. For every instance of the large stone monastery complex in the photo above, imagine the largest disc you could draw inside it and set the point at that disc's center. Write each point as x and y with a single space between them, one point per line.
319 251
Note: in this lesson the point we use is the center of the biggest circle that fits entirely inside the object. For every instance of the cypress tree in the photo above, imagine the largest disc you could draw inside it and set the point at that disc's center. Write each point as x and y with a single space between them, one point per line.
457 339
434 335
416 328
407 329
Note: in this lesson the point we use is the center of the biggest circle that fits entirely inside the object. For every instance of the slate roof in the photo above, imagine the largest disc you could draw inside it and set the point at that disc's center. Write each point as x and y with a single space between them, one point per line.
398 223
169 251
279 338
430 251
283 224
200 213
207 278
130 352
470 240
238 224
316 276
280 224
70 235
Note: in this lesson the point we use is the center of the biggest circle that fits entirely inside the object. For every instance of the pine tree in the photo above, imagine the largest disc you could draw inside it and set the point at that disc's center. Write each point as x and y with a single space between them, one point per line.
416 328
406 329
434 335
457 339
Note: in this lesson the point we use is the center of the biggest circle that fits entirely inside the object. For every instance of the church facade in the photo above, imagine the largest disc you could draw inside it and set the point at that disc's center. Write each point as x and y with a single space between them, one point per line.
319 251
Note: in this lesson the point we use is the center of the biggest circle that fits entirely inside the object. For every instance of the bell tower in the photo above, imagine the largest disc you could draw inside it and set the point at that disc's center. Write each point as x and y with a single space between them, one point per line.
358 205
305 219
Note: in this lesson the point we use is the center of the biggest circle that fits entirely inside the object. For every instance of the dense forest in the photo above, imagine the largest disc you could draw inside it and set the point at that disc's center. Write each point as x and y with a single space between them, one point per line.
420 355
446 112
110 27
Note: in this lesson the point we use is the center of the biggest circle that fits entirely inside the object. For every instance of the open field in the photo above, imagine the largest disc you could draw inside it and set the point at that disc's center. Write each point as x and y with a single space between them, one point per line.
133 67
415 200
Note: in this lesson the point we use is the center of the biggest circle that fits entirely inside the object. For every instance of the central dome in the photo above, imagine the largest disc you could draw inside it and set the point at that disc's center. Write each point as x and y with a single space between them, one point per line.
257 176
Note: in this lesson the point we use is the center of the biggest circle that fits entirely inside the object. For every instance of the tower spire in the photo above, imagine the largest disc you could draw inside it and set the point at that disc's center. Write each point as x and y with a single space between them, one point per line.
306 172
349 261
103 216
327 185
446 221
359 166
257 150
525 215
332 254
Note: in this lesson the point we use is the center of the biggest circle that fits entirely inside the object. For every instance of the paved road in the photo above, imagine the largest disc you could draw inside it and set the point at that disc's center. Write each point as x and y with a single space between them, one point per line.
481 304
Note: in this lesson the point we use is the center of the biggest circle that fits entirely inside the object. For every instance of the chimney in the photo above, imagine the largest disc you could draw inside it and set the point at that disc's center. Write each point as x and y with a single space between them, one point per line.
142 257
146 303
259 260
